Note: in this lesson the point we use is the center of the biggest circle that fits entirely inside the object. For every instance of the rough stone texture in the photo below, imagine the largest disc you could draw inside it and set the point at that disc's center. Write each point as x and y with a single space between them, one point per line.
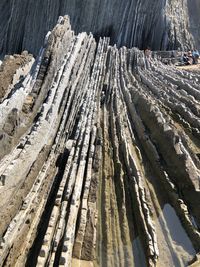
13 69
103 162
160 24
194 11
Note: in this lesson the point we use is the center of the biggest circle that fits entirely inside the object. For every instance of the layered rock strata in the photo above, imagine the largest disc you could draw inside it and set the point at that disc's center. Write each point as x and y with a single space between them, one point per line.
13 69
194 24
159 24
103 164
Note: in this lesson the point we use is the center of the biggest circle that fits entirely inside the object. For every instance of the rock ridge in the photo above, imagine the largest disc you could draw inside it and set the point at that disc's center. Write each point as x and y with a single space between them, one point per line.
102 165
160 24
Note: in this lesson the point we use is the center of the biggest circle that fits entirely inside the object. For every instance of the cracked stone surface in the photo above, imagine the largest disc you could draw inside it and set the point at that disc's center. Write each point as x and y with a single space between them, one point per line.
100 156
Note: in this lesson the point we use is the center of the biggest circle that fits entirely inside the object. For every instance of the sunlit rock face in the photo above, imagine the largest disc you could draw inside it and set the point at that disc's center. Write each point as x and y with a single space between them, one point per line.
160 24
99 156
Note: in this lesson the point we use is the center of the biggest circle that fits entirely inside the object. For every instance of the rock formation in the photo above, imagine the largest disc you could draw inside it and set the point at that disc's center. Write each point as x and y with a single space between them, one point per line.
160 24
100 160
194 9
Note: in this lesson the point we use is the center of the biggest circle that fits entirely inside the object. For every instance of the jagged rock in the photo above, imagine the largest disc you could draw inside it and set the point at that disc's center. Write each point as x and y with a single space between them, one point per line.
103 163
161 25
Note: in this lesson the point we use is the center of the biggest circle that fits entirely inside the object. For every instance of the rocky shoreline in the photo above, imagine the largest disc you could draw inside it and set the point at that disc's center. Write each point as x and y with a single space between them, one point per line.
102 163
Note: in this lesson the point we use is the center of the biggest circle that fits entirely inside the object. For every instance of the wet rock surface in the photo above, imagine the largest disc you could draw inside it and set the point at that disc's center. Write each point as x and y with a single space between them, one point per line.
100 163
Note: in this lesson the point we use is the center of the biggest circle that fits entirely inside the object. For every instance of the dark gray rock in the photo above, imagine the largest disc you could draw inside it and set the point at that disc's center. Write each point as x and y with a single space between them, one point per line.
194 11
161 25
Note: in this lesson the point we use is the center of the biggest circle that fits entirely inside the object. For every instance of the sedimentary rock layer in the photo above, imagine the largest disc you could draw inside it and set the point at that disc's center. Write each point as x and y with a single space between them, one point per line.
194 24
160 24
13 68
102 164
